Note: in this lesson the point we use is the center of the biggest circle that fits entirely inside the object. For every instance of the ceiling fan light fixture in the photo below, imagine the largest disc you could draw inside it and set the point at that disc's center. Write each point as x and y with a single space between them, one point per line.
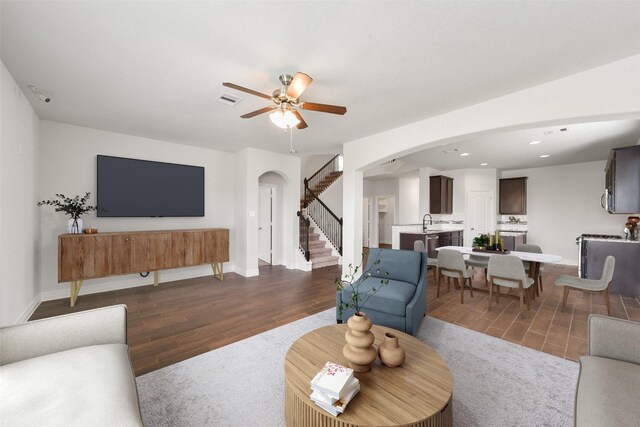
284 118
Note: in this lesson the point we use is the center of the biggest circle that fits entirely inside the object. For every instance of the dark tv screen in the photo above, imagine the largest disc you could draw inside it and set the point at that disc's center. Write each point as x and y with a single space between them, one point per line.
141 188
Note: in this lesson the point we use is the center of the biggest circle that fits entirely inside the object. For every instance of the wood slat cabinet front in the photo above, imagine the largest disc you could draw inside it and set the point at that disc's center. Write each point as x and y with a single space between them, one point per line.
89 256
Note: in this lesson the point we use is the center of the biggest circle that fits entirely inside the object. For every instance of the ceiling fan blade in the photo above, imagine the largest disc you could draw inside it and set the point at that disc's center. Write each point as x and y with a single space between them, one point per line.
258 112
299 83
244 89
302 123
324 108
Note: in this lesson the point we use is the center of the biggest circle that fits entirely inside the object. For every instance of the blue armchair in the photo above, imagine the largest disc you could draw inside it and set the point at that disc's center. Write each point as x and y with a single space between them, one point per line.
402 303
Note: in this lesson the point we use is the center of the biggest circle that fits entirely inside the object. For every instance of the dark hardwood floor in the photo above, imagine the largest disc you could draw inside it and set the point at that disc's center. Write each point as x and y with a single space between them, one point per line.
186 318
179 320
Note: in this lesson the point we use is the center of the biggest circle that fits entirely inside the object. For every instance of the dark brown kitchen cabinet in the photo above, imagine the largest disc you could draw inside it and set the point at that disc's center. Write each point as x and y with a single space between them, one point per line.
511 242
440 194
408 239
622 181
513 196
627 270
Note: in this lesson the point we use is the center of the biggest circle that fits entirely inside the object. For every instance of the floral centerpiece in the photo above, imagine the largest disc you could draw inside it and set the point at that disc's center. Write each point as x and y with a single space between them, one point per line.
359 349
73 207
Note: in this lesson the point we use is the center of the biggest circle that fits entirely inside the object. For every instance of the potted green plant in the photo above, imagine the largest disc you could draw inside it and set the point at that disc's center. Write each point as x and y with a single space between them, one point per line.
481 241
359 349
73 207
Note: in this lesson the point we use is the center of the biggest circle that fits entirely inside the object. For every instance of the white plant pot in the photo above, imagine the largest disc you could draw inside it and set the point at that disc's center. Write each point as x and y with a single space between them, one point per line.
75 226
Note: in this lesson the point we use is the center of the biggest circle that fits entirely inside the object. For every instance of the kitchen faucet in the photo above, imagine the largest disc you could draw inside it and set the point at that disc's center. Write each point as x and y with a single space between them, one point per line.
424 222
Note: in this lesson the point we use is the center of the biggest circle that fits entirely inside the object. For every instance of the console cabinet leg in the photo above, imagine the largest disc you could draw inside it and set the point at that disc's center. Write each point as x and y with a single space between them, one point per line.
217 270
155 278
74 288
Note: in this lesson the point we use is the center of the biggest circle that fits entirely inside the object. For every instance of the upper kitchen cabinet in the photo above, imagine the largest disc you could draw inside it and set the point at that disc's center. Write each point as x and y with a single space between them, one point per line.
440 194
513 196
622 181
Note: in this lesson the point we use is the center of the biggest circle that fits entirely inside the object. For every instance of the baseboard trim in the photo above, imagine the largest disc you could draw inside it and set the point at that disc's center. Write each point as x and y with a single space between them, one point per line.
570 262
247 272
132 282
26 314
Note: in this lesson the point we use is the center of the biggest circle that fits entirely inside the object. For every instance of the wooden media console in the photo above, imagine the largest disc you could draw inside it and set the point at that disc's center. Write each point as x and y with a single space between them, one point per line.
90 256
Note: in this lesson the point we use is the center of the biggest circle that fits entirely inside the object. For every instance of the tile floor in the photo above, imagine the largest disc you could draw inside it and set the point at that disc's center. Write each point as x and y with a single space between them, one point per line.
545 327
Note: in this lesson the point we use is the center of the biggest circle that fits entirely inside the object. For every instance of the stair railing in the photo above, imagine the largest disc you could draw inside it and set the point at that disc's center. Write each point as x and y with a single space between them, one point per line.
324 217
305 225
325 175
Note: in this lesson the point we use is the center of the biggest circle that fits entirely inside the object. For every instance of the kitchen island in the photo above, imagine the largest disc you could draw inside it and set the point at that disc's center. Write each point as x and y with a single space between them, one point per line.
404 235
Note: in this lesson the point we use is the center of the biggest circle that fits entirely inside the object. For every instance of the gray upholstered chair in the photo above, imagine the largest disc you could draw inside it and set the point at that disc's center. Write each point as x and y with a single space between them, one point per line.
607 391
534 249
402 303
451 265
508 271
418 246
576 283
478 261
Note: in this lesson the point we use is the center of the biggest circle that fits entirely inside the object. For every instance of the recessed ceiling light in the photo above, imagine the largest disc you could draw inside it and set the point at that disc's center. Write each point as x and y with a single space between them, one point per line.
484 164
534 142
464 154
544 156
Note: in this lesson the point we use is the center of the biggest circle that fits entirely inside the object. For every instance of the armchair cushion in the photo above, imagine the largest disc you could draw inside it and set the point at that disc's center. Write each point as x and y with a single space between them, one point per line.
607 393
403 266
392 298
83 386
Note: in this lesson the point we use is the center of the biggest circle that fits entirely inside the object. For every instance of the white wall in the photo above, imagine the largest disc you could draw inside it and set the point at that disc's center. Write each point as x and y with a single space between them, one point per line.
332 197
563 202
68 166
409 199
608 92
250 164
19 225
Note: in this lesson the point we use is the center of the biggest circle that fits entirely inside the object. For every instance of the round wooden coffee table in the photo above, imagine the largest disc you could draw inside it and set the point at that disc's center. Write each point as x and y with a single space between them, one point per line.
418 393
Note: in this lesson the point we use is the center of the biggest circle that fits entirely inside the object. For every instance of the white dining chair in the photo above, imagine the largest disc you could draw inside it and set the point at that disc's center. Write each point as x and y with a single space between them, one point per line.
578 284
451 265
534 249
478 261
508 271
418 246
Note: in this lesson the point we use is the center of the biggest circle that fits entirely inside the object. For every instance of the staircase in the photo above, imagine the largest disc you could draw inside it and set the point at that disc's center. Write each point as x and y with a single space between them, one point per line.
320 251
325 222
319 187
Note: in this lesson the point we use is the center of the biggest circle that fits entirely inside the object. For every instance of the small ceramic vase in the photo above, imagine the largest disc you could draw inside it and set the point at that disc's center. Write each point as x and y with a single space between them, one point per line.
74 226
359 349
390 352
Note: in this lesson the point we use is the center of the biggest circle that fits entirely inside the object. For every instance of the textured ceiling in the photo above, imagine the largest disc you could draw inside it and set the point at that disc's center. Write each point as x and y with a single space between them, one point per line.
155 69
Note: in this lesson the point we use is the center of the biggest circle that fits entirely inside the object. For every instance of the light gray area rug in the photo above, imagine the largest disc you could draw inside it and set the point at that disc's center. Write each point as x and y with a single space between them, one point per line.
496 383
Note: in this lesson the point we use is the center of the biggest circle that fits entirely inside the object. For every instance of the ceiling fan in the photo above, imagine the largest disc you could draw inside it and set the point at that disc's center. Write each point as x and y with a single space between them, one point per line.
286 100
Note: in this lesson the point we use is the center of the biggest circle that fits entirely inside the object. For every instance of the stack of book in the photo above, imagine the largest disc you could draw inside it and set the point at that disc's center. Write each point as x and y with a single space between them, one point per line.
333 388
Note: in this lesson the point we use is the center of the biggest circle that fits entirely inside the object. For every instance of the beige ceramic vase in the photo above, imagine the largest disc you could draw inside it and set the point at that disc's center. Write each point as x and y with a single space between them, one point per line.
390 352
359 349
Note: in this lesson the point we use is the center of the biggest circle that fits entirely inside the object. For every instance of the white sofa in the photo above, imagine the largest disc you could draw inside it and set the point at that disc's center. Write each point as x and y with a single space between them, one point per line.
609 384
71 370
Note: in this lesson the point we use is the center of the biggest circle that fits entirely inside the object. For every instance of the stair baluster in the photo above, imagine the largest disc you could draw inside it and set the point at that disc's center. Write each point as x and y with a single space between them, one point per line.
324 217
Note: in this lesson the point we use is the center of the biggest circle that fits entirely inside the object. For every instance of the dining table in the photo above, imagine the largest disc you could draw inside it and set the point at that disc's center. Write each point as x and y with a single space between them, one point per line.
533 258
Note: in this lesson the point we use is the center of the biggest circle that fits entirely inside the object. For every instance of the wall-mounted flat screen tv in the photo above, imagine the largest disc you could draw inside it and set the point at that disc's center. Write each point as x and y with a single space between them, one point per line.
141 188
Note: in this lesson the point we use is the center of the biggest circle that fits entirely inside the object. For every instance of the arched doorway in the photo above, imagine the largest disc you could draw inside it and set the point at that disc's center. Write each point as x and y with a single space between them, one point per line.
271 211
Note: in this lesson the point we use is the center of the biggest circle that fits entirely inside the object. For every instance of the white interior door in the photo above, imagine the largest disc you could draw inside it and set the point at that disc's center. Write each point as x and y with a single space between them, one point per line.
265 220
480 214
366 219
